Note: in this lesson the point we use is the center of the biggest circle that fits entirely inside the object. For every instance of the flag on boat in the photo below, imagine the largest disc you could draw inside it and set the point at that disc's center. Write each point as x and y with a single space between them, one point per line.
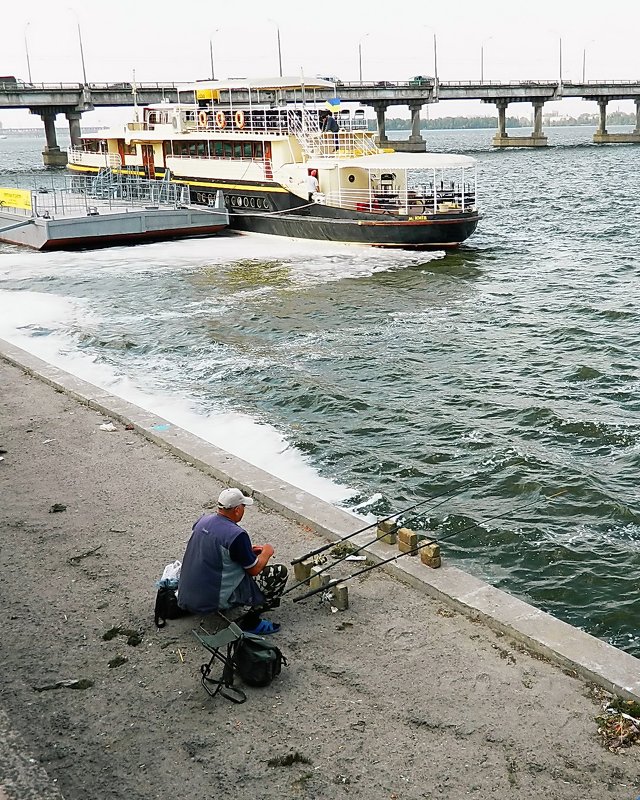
333 104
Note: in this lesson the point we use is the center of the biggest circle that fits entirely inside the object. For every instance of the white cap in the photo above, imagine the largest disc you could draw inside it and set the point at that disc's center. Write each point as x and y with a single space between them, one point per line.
231 498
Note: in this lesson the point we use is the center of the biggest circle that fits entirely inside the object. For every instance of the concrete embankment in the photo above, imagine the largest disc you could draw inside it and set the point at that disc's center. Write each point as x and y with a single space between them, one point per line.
590 657
400 695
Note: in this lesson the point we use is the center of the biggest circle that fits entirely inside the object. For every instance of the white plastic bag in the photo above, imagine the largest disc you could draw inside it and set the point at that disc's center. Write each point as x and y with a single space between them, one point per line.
172 571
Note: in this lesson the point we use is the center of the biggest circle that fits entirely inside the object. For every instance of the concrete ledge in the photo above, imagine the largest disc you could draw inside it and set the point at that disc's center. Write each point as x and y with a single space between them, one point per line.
617 138
569 647
519 141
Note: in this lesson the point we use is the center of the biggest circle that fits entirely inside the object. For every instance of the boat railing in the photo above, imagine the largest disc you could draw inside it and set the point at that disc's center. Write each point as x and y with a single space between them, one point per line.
400 202
89 194
271 121
77 155
317 144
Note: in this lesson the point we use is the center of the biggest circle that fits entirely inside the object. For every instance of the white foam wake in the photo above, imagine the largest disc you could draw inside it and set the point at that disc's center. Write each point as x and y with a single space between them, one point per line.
44 324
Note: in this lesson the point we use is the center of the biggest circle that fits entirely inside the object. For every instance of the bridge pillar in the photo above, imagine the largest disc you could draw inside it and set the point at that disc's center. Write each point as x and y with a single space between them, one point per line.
502 118
415 143
537 120
52 155
502 138
75 131
602 137
380 108
602 107
415 123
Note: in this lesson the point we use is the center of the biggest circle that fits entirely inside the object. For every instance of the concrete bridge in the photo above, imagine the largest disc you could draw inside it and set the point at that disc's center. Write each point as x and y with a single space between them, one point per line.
50 99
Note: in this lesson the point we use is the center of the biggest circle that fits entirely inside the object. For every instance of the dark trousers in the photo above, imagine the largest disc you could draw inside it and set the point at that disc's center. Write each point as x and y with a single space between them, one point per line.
271 582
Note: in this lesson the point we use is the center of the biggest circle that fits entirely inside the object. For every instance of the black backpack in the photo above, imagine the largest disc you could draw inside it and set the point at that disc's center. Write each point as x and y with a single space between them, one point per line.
167 606
257 661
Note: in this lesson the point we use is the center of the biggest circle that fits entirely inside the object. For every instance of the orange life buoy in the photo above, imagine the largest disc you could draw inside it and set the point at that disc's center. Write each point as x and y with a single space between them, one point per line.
202 119
221 120
239 119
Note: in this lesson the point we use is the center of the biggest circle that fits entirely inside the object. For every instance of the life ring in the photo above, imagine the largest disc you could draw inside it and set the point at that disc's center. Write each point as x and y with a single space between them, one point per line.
239 118
221 120
202 119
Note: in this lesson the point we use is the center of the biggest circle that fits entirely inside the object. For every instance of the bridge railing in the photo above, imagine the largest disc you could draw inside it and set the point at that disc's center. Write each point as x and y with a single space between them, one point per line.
22 86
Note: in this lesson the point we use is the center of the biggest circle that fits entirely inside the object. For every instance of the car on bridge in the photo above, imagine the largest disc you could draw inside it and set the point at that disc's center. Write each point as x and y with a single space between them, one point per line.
421 80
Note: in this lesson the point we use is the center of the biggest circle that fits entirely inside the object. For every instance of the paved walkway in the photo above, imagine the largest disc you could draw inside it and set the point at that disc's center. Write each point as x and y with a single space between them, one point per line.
398 697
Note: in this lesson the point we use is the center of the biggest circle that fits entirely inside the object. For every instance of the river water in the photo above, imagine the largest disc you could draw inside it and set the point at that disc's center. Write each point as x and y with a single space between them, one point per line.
376 379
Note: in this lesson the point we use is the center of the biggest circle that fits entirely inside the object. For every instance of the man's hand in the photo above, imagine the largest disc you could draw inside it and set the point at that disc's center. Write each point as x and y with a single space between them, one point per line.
263 553
267 549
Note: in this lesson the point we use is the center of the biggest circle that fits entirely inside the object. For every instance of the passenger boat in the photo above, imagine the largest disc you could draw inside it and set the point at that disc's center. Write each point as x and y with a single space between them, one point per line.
259 140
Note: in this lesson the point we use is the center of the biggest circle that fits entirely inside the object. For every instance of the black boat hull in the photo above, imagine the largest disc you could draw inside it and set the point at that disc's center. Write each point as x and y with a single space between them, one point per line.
447 231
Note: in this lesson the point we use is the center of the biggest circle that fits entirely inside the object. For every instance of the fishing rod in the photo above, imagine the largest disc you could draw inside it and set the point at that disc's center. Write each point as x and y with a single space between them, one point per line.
362 546
336 581
324 547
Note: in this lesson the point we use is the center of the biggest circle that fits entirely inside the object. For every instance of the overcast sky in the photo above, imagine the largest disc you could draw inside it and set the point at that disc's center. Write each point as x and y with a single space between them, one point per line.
169 41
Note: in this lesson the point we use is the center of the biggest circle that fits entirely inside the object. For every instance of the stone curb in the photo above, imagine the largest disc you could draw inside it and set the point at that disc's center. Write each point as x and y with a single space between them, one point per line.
539 632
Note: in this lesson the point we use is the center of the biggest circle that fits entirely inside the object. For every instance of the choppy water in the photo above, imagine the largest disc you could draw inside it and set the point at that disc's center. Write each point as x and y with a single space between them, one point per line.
375 379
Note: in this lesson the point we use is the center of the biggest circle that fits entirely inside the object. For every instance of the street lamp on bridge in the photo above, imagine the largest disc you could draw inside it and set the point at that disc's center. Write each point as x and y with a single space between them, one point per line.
435 61
360 55
26 50
273 22
211 35
84 71
482 44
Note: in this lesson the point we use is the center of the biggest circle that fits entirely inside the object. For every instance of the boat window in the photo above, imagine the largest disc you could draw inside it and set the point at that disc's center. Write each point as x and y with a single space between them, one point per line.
216 149
129 149
193 149
227 149
258 151
237 150
201 148
247 150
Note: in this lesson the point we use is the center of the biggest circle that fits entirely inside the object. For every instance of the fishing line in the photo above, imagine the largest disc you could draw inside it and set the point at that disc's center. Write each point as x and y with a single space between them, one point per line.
324 547
336 581
368 544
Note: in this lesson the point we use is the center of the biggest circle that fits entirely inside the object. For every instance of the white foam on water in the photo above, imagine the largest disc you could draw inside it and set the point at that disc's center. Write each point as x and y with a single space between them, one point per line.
43 324
308 261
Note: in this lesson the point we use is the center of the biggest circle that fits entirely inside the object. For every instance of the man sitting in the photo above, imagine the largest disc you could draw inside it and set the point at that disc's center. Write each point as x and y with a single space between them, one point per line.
221 569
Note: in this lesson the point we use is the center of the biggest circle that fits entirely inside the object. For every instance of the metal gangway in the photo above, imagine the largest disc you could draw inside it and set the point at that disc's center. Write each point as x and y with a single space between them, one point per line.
108 191
120 185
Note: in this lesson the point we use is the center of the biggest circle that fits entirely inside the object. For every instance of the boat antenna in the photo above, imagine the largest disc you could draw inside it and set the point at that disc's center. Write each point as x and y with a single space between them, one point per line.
414 550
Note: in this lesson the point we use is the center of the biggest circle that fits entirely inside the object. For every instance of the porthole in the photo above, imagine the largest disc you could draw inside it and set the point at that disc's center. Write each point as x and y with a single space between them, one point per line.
253 202
352 178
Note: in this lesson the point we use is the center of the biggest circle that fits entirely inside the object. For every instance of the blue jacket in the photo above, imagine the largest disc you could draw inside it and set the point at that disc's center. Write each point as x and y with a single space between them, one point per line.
210 580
